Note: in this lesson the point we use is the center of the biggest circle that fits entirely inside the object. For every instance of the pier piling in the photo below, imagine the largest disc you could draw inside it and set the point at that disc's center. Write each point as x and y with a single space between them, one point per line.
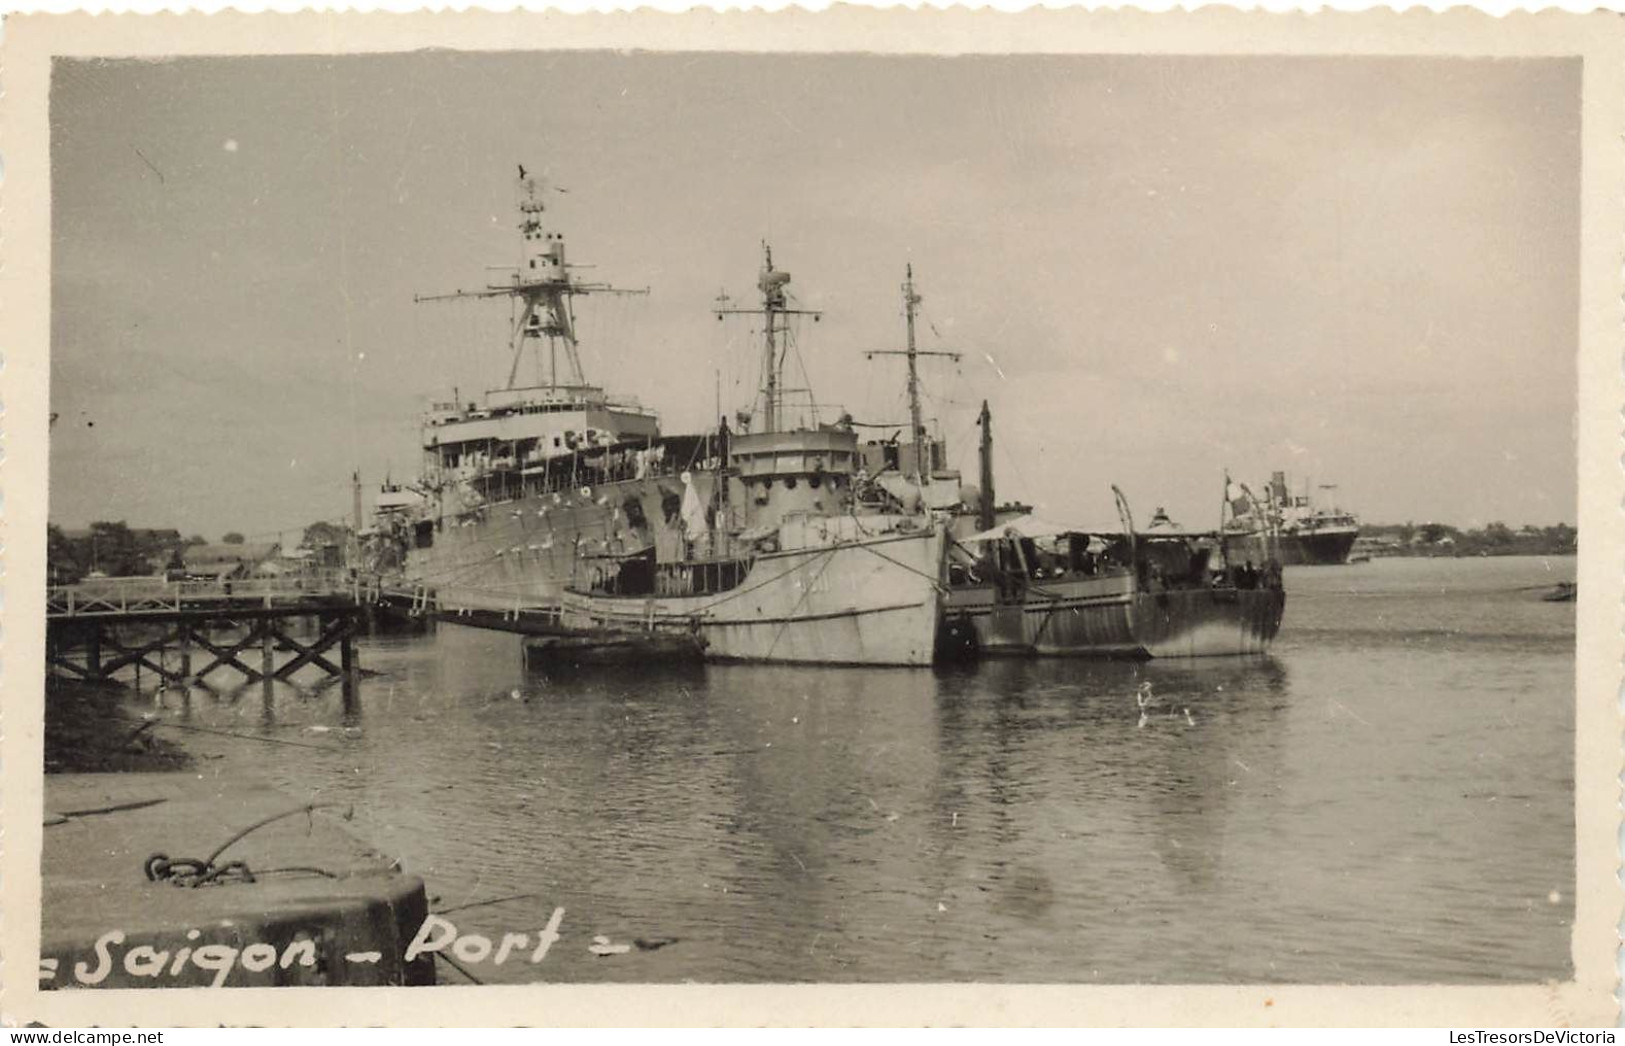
139 620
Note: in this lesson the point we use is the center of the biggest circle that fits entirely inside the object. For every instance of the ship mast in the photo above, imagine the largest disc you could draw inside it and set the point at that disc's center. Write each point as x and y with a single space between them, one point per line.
775 312
984 511
543 286
911 302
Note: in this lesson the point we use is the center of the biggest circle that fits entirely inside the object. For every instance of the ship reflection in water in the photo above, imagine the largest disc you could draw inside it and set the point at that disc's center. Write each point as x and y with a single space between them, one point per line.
1387 799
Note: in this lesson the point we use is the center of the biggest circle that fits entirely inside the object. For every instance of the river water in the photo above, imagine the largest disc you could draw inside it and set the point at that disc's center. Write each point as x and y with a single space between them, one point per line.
1387 798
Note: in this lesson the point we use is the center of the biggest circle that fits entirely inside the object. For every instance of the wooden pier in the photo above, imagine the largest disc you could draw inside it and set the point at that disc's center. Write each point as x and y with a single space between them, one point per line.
185 631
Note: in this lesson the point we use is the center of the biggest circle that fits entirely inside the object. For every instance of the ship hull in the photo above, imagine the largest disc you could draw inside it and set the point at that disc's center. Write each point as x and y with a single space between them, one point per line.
1111 617
869 602
510 556
1317 548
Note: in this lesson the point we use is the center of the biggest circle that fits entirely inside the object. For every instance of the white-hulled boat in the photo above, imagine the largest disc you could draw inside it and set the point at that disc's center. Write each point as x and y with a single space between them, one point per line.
787 551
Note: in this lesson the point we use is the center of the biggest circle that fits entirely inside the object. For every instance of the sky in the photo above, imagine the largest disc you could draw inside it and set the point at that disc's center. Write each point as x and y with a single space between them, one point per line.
1364 272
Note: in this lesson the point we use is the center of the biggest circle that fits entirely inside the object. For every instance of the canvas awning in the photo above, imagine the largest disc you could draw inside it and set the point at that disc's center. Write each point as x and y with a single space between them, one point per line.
1031 526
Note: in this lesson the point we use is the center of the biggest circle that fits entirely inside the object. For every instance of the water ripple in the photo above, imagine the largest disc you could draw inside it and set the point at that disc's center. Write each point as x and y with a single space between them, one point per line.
1386 800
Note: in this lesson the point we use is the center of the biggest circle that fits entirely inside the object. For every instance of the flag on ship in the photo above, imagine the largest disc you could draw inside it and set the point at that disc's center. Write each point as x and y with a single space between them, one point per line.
693 508
1240 501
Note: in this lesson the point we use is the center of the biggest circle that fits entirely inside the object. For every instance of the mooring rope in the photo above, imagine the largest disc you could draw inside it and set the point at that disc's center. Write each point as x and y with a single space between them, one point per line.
192 872
248 737
487 904
806 591
936 583
454 964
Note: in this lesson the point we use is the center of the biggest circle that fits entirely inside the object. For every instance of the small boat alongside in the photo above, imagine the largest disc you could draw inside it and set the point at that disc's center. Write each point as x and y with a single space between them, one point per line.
1030 587
611 647
1563 592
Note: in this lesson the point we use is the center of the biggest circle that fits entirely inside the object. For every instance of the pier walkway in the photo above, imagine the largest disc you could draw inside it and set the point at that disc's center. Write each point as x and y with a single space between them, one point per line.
471 607
102 626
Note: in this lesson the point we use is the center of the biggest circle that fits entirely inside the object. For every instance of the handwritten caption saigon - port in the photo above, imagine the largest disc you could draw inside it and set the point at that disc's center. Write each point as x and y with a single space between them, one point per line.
435 935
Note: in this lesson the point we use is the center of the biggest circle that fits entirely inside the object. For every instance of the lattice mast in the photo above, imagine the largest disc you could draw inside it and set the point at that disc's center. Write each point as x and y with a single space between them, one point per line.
543 286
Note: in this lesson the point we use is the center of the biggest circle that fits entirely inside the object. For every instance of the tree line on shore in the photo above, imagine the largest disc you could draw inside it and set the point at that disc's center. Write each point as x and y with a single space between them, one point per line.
116 549
1492 539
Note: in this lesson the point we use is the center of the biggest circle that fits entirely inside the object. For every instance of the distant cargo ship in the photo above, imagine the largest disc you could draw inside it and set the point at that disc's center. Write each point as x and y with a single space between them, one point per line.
1286 527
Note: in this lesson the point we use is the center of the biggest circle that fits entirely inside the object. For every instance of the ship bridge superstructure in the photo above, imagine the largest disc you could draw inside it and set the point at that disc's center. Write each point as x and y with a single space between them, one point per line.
783 469
520 427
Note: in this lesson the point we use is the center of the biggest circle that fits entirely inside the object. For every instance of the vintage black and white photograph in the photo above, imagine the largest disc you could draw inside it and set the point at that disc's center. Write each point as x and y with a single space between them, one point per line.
705 516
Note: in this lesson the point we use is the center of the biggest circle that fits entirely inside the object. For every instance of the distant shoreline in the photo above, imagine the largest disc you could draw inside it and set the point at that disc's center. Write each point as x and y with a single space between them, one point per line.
1441 541
1476 554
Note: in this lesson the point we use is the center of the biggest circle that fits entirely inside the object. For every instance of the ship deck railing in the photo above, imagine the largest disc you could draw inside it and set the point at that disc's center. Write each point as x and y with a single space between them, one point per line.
498 491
